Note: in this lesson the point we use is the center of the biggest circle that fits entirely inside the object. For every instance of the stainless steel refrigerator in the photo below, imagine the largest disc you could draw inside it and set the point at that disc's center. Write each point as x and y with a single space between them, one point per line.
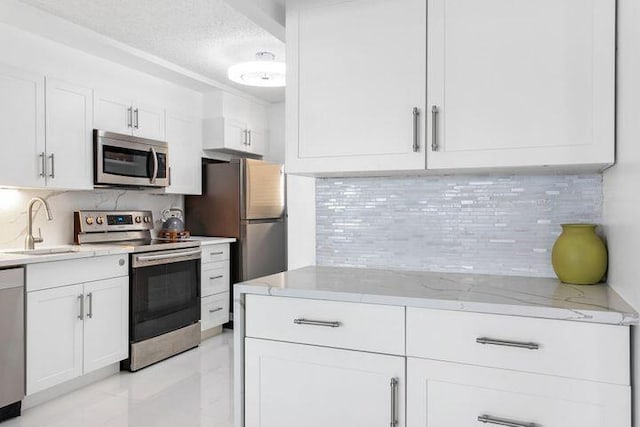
244 199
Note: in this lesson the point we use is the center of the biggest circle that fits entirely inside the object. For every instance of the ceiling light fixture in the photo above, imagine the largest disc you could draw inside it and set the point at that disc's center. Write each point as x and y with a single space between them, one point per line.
263 72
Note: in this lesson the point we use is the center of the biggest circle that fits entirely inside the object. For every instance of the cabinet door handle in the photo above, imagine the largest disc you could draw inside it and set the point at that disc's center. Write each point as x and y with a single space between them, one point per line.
245 134
43 165
52 173
130 117
316 323
416 129
505 343
136 116
216 277
81 299
394 402
488 419
213 310
434 128
90 298
250 137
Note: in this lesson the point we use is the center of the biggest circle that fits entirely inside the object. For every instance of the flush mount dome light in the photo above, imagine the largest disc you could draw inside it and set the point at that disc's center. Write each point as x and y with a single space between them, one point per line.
263 72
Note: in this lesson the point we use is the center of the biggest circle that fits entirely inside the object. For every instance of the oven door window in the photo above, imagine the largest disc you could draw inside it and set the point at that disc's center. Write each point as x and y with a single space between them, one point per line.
165 297
127 162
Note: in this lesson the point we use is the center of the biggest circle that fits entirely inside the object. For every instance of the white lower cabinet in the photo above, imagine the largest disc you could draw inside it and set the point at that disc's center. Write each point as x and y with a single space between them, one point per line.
293 385
54 336
312 363
442 394
76 328
215 285
106 322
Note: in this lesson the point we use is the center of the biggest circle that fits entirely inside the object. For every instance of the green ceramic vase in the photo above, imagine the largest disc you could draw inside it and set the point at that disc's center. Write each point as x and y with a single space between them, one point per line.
579 256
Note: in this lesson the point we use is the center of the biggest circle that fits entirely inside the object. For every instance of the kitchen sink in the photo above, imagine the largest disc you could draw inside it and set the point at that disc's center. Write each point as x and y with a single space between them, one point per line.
45 251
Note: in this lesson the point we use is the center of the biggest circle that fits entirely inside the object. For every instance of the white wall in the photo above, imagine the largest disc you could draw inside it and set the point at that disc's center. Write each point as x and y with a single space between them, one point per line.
276 119
31 52
621 182
301 217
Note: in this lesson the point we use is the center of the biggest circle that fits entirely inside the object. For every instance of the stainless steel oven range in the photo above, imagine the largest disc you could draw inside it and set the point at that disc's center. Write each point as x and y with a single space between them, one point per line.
164 283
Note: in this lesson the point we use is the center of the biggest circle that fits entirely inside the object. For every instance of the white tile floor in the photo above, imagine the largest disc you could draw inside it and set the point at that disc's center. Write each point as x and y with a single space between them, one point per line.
189 390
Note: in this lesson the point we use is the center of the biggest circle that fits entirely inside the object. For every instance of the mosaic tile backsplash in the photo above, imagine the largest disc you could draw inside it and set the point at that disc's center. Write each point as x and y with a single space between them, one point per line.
502 225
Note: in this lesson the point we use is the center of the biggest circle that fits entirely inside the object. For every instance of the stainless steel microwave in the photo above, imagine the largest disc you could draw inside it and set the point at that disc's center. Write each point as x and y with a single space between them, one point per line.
129 161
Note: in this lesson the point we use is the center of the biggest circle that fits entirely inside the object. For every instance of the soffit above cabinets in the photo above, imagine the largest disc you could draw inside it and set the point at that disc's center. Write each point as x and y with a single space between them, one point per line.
202 36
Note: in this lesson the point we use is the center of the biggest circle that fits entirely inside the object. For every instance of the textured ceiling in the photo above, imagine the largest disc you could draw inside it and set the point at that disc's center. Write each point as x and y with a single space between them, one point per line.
205 36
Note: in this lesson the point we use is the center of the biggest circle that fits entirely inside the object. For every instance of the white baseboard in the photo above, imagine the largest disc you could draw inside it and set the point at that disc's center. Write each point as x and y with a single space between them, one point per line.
36 399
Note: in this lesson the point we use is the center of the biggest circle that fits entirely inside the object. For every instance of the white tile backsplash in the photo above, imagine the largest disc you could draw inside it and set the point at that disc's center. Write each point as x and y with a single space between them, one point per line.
484 224
13 216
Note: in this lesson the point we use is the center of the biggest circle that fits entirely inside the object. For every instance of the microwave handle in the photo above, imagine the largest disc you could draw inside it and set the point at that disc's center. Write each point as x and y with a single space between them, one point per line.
155 165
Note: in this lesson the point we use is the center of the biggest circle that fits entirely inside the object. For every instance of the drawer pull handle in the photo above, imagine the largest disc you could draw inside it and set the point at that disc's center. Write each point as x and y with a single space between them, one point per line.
394 399
517 344
488 419
316 323
216 277
213 310
215 253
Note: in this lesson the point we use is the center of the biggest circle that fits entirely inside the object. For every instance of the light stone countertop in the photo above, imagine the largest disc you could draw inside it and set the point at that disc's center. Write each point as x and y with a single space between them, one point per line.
505 295
206 241
77 251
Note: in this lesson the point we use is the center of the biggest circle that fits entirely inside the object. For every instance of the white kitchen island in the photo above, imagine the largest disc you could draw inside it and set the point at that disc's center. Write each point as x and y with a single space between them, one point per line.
348 347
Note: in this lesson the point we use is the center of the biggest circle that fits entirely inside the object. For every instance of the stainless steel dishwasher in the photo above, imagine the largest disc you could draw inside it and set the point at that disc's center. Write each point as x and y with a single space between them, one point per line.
12 382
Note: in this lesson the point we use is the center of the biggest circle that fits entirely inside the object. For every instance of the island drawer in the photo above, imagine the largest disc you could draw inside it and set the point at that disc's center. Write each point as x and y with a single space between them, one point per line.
452 395
356 326
563 348
214 253
215 278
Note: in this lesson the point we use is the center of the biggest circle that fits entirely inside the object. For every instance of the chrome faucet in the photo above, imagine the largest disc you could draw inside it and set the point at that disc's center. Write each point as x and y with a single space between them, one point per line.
29 240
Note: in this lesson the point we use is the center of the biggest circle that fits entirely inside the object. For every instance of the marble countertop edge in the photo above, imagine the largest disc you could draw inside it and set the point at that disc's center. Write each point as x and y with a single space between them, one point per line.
84 251
599 304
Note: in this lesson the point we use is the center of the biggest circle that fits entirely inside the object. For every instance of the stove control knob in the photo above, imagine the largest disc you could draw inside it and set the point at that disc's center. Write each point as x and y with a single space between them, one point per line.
147 219
138 219
100 220
89 220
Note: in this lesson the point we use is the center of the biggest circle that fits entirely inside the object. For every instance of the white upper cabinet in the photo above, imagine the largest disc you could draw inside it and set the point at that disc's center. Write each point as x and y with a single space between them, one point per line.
257 140
184 136
122 115
356 72
45 144
22 128
528 83
148 121
112 113
234 125
69 116
507 85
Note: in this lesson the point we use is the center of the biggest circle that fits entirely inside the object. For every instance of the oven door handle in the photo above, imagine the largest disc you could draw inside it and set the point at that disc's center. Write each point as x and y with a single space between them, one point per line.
154 175
166 258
